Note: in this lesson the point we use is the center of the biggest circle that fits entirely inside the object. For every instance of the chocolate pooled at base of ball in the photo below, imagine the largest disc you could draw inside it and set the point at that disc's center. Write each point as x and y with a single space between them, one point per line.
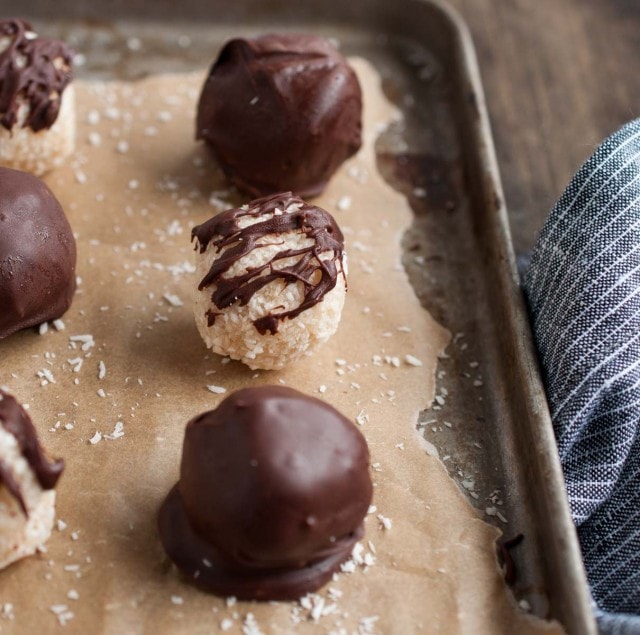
37 253
272 280
281 112
274 487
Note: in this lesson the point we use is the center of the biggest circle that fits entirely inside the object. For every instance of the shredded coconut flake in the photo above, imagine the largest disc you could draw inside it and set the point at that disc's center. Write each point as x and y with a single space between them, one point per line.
250 626
86 341
385 522
62 612
118 431
47 377
366 625
173 300
95 139
76 364
344 203
412 361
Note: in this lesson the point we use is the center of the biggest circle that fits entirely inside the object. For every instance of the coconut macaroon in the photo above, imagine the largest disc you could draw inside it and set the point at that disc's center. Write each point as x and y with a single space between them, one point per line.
272 280
27 479
37 106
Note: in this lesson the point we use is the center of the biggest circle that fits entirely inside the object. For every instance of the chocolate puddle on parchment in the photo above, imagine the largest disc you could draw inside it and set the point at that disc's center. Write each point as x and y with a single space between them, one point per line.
138 185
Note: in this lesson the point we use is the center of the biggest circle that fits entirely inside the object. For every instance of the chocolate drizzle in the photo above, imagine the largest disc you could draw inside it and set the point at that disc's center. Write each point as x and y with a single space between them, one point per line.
15 420
34 69
284 213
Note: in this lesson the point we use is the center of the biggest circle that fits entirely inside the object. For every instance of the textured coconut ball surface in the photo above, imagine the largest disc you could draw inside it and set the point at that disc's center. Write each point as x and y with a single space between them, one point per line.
38 152
272 282
27 479
37 104
21 535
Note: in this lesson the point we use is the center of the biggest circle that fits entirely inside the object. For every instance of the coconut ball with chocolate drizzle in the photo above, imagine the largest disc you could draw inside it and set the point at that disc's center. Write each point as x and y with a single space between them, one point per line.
271 280
37 109
274 487
27 481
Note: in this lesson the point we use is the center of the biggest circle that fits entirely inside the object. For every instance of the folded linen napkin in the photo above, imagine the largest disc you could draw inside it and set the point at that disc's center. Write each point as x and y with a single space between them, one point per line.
583 290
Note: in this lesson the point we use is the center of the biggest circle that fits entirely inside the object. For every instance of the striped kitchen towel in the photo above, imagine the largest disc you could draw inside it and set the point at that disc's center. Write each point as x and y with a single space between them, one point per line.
583 290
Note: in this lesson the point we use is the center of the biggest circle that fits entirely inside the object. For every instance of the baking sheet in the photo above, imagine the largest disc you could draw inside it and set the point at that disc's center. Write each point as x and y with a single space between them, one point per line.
464 441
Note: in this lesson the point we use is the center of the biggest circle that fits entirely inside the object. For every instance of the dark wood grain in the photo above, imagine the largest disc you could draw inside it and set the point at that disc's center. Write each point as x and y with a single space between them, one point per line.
559 75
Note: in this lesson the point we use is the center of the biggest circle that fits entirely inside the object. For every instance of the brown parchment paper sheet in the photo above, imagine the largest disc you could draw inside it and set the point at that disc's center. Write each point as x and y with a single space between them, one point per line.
136 186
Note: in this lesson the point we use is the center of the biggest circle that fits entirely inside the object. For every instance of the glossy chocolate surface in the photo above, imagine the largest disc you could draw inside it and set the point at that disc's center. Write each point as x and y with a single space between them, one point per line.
273 490
34 71
37 253
281 112
283 213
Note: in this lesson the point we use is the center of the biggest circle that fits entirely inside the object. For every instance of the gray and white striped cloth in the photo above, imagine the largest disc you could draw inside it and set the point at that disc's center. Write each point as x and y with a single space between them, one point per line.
583 290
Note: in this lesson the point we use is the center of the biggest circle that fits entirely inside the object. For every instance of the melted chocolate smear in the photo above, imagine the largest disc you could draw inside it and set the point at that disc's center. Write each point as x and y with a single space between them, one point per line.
34 69
224 232
15 420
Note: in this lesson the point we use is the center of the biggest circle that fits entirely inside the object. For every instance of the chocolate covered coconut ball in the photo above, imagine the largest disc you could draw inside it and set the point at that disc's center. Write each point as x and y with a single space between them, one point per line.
37 253
37 109
281 112
27 479
271 280
273 490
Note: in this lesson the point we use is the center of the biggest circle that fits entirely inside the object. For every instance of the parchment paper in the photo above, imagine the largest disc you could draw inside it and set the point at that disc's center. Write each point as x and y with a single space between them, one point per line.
134 190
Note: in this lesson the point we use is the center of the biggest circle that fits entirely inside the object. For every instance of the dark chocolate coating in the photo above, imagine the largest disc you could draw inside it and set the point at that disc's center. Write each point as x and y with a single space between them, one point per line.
15 420
37 253
28 72
273 490
225 232
281 112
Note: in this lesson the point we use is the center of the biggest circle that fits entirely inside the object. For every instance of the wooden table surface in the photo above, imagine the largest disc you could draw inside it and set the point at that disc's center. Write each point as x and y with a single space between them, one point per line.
559 75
